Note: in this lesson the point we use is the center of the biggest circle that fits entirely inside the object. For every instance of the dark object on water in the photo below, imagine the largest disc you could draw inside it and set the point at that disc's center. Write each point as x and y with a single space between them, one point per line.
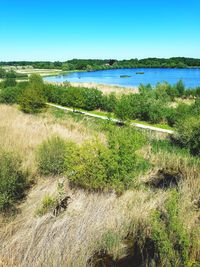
140 72
125 76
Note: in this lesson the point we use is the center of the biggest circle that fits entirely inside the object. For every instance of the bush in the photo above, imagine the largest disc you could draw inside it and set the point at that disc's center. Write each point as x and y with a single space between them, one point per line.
109 102
32 101
93 99
9 82
188 134
10 95
123 108
13 181
51 156
180 87
87 169
171 240
112 166
47 205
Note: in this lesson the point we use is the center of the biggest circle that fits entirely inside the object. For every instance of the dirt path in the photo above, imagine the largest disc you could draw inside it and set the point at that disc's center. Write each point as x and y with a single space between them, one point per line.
139 125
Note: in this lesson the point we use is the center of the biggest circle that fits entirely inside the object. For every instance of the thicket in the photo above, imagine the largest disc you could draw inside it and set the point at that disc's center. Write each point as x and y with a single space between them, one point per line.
51 156
32 98
94 165
172 242
154 105
13 181
188 134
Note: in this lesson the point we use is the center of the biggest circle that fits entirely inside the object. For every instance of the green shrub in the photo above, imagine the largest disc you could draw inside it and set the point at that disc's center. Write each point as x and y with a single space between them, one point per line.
189 134
32 101
13 181
51 156
47 205
171 240
87 169
9 82
112 166
10 95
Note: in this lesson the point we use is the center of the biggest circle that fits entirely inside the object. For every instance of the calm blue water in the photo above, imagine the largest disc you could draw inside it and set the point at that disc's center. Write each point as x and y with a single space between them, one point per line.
191 77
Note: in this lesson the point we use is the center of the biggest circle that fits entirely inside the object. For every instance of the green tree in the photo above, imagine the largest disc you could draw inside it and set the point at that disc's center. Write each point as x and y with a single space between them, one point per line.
10 95
13 181
123 109
9 82
180 87
188 134
32 101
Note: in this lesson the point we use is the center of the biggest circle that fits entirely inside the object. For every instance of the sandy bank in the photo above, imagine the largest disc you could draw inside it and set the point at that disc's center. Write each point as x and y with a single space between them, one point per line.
105 88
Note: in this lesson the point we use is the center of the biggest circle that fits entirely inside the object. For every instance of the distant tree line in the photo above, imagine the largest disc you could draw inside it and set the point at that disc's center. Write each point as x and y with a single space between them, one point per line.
97 64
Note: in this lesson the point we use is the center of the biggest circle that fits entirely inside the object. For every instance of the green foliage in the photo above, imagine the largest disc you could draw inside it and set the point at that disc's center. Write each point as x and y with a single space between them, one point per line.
111 240
93 99
112 166
123 108
10 95
171 240
180 87
153 105
9 82
51 156
32 101
76 97
2 73
188 136
47 205
109 102
13 181
35 80
95 64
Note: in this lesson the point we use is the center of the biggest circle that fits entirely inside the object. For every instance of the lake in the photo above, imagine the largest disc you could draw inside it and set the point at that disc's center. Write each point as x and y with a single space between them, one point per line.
190 77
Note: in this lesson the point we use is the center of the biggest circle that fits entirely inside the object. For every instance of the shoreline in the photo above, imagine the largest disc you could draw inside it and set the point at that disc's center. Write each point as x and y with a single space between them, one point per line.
105 88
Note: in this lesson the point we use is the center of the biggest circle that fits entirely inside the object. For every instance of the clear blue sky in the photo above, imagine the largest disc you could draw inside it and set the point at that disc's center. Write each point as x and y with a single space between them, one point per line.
61 30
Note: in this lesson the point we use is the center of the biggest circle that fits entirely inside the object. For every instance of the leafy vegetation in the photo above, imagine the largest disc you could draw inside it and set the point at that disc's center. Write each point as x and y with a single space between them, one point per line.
171 240
99 166
95 165
188 136
95 64
51 156
156 225
48 204
13 181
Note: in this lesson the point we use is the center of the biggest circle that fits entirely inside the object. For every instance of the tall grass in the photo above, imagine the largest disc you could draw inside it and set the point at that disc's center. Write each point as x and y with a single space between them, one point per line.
93 222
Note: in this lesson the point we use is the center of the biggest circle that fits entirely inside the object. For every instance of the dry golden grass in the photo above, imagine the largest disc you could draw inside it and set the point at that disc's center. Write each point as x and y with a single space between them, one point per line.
105 88
23 133
70 239
73 237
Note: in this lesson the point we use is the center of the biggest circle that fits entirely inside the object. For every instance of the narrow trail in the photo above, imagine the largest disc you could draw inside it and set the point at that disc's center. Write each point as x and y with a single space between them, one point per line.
139 125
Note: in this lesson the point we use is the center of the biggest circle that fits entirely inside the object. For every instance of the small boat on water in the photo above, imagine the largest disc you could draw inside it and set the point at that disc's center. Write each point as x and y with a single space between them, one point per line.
140 72
125 76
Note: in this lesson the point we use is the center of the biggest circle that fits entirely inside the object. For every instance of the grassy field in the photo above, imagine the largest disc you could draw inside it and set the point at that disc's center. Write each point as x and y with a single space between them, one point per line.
30 70
93 221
